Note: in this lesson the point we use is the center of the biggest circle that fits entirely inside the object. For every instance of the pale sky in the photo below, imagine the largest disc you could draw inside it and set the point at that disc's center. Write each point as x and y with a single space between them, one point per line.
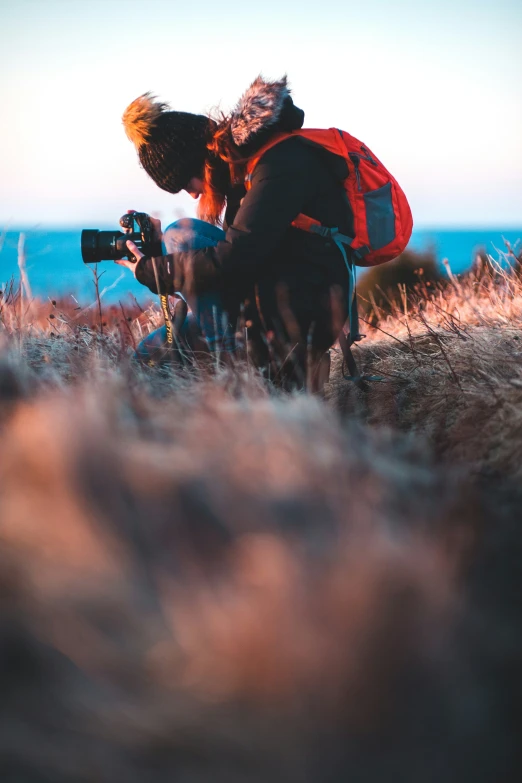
433 88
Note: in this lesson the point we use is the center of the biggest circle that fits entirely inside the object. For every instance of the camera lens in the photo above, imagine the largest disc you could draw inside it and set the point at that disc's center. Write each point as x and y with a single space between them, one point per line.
104 245
90 245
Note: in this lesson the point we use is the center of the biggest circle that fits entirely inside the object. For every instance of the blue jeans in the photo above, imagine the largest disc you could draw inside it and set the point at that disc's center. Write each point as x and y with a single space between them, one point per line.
207 315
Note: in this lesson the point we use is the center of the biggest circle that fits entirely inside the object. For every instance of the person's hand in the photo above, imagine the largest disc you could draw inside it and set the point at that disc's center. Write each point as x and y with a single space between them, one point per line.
156 229
136 252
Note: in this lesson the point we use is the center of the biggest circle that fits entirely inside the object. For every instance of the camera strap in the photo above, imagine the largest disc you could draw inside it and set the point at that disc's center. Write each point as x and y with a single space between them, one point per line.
173 323
164 305
166 315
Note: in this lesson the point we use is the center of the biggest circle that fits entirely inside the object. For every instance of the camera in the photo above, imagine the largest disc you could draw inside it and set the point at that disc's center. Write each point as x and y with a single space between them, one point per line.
112 245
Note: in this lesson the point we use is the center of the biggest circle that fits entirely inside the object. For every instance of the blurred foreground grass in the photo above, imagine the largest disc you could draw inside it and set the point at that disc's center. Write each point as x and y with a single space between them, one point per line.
203 578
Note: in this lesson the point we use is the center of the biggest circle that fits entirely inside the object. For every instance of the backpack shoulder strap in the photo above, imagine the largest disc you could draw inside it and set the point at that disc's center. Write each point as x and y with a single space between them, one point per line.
254 160
329 138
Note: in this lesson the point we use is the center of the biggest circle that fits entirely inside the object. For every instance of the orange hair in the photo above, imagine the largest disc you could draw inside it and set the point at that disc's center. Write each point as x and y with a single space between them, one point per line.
222 166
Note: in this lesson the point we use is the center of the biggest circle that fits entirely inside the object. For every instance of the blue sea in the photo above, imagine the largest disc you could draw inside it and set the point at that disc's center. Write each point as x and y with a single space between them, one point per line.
55 268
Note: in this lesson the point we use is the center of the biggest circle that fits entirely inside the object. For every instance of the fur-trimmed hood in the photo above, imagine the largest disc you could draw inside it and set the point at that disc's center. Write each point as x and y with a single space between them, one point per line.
264 108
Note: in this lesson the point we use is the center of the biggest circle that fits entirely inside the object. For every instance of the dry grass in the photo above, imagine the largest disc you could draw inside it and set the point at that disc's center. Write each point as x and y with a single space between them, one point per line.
204 579
451 363
208 588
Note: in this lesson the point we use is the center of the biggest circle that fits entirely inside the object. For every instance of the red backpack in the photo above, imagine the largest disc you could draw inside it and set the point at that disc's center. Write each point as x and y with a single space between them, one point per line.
382 216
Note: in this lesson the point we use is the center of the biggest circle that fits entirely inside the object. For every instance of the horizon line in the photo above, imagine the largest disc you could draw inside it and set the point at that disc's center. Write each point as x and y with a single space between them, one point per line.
102 226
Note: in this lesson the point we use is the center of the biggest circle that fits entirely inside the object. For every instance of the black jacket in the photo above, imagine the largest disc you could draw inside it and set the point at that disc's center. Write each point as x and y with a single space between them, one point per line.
261 247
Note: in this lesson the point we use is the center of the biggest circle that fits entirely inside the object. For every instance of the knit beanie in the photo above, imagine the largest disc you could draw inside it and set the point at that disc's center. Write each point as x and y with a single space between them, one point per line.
171 145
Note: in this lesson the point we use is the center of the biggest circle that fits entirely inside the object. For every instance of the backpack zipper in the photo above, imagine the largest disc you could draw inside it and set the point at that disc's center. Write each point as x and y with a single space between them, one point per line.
355 160
367 155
